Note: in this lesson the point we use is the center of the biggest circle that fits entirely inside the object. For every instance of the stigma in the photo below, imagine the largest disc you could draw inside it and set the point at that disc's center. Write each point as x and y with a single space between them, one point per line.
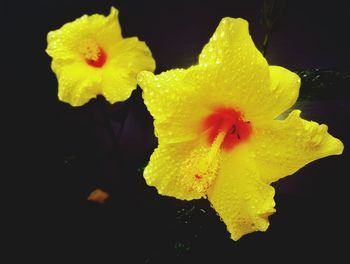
229 122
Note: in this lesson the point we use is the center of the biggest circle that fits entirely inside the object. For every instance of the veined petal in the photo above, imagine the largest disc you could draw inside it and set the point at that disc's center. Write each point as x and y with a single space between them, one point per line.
183 170
174 101
77 84
240 197
284 146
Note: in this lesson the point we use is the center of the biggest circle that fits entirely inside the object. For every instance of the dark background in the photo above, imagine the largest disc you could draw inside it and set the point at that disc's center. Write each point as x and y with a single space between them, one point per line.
59 154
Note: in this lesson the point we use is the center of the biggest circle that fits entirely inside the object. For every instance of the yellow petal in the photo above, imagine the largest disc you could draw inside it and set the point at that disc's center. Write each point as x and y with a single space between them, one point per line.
127 59
64 43
284 146
173 100
184 170
240 74
109 32
131 53
77 84
282 94
240 197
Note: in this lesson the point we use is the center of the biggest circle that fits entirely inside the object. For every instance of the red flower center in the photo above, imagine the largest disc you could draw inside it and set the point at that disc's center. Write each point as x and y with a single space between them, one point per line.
99 61
230 122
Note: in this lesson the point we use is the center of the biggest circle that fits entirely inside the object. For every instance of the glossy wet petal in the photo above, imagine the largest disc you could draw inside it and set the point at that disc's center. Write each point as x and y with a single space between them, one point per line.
92 47
282 93
173 100
77 84
64 43
240 197
183 170
241 75
241 72
128 58
284 146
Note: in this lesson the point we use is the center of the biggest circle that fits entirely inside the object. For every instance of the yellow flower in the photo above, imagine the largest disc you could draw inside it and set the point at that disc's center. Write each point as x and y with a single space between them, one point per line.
218 136
90 57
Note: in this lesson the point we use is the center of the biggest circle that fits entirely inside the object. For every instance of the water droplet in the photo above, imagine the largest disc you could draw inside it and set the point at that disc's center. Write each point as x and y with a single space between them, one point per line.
247 197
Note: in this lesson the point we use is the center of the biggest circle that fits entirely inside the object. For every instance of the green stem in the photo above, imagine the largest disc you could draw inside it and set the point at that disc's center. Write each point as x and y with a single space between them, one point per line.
266 43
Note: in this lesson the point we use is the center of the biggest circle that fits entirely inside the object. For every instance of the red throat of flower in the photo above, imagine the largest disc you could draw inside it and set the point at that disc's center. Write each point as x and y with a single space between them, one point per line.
230 122
100 61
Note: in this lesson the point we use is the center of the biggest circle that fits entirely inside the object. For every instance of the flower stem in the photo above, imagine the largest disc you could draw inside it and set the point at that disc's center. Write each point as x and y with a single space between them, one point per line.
117 113
266 43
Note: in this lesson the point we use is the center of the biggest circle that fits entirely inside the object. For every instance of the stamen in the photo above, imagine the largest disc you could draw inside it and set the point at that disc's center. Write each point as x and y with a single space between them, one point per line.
204 167
93 54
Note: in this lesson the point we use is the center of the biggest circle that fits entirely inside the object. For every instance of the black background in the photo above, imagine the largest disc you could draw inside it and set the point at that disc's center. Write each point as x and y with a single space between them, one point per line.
59 154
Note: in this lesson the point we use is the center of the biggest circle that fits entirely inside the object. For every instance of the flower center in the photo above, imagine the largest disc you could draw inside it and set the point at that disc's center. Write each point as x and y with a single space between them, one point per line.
230 122
93 54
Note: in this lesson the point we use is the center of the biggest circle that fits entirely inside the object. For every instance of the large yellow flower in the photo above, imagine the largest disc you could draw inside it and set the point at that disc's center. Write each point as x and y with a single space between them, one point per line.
218 136
90 57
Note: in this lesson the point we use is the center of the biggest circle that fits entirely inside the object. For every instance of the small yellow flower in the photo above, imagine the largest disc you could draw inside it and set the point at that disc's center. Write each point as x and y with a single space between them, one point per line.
90 57
218 136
